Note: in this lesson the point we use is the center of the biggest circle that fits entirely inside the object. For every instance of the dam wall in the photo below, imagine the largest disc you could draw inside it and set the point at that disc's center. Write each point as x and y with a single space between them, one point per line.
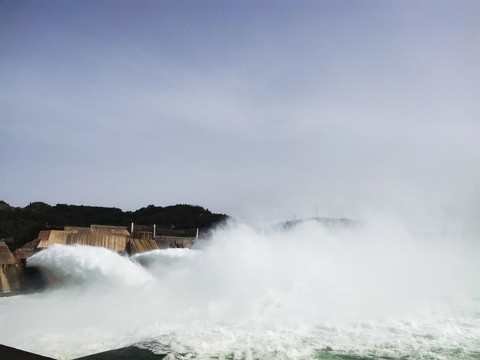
114 238
165 242
16 277
12 278
6 257
10 270
142 245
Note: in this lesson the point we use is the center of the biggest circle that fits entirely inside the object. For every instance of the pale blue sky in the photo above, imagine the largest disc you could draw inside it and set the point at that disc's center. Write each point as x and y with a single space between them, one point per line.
252 108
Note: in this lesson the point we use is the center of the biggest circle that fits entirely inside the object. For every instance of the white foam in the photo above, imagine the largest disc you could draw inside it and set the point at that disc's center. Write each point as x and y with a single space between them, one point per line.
80 264
369 291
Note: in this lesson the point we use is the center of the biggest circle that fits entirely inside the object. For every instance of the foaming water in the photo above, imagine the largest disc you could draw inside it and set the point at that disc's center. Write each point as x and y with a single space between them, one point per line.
301 293
85 265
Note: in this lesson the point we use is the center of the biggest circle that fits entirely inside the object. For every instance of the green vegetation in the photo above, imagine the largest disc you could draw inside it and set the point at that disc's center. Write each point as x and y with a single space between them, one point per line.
21 225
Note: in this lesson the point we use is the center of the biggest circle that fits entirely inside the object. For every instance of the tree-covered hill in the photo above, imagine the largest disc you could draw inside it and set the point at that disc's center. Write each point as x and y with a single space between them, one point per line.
21 225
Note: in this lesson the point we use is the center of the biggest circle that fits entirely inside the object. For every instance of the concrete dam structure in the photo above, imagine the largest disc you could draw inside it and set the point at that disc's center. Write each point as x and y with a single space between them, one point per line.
139 239
114 238
10 270
16 277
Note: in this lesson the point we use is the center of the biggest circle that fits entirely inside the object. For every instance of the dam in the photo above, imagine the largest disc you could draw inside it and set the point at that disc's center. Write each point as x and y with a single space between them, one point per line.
114 238
10 270
16 278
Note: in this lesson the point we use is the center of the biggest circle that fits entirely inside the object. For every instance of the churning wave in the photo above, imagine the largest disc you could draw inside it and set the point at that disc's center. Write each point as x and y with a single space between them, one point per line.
306 292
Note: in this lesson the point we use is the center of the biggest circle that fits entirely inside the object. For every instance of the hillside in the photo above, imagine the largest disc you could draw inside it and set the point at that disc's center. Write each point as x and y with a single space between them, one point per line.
21 225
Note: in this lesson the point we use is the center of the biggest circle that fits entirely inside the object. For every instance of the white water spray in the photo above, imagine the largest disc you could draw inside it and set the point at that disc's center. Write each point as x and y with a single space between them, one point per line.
369 291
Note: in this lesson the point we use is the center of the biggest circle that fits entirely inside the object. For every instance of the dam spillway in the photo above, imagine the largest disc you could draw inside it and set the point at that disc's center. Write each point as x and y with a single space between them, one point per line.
114 238
16 277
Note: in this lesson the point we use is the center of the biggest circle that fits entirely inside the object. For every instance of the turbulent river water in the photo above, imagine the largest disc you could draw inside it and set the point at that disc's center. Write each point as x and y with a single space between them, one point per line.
306 292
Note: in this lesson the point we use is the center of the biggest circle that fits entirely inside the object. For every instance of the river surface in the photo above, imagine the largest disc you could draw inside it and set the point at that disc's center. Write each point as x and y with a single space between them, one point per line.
306 292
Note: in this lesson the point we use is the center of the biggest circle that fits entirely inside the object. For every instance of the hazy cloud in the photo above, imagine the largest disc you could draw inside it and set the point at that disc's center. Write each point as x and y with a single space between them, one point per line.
246 108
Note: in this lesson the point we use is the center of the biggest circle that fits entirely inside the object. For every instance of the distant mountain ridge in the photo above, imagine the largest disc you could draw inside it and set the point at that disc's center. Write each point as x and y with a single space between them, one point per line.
21 225
325 221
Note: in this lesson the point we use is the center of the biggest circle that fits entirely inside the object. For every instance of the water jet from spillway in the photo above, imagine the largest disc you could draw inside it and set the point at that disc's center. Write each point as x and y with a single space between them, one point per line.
366 290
